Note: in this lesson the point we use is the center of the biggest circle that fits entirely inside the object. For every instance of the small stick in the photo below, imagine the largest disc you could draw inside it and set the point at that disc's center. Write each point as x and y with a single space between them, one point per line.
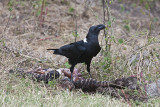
75 23
41 19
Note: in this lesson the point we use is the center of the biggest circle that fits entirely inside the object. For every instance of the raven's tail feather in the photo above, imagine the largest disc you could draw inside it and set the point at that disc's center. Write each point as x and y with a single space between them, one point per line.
52 49
55 51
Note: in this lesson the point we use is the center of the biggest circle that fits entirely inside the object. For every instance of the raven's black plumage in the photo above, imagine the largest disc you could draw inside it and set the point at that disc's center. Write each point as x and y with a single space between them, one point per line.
82 51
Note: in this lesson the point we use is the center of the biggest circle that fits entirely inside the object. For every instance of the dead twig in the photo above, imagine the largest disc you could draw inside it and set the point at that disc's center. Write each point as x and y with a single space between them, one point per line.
41 17
75 23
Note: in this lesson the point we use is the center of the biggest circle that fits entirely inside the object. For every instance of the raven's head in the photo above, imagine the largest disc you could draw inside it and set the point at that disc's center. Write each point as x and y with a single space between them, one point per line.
96 29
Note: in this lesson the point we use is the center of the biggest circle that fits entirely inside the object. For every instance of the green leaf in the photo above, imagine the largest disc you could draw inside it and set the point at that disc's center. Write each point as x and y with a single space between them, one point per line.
10 3
141 1
113 18
67 65
157 55
155 19
10 9
109 23
127 27
74 34
122 8
104 76
71 9
97 17
120 41
84 95
3 43
126 21
146 5
38 12
51 83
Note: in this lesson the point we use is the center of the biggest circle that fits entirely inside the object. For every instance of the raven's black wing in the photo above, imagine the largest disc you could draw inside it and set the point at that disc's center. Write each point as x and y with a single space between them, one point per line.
73 50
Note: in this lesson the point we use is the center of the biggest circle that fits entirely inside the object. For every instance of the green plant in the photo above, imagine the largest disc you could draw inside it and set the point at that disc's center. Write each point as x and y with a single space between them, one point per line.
39 6
106 63
122 8
127 25
10 5
75 34
51 83
3 42
120 41
71 9
67 65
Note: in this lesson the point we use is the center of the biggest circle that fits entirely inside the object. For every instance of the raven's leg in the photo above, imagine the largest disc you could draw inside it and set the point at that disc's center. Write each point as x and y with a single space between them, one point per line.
71 70
88 68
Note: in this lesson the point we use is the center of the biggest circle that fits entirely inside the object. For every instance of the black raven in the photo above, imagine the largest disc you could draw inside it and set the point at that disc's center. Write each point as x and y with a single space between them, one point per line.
82 51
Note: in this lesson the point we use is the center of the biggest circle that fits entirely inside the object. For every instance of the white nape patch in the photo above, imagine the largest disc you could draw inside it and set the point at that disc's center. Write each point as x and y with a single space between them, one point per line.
59 70
85 40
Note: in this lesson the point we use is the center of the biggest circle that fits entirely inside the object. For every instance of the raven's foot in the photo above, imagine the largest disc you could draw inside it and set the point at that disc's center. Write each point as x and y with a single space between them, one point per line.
71 80
90 75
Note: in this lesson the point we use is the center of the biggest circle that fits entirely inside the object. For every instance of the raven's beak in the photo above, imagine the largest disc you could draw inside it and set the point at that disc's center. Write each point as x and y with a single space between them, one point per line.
101 26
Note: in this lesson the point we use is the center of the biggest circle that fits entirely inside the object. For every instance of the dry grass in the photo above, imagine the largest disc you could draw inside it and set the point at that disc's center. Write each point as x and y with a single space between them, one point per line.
23 45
